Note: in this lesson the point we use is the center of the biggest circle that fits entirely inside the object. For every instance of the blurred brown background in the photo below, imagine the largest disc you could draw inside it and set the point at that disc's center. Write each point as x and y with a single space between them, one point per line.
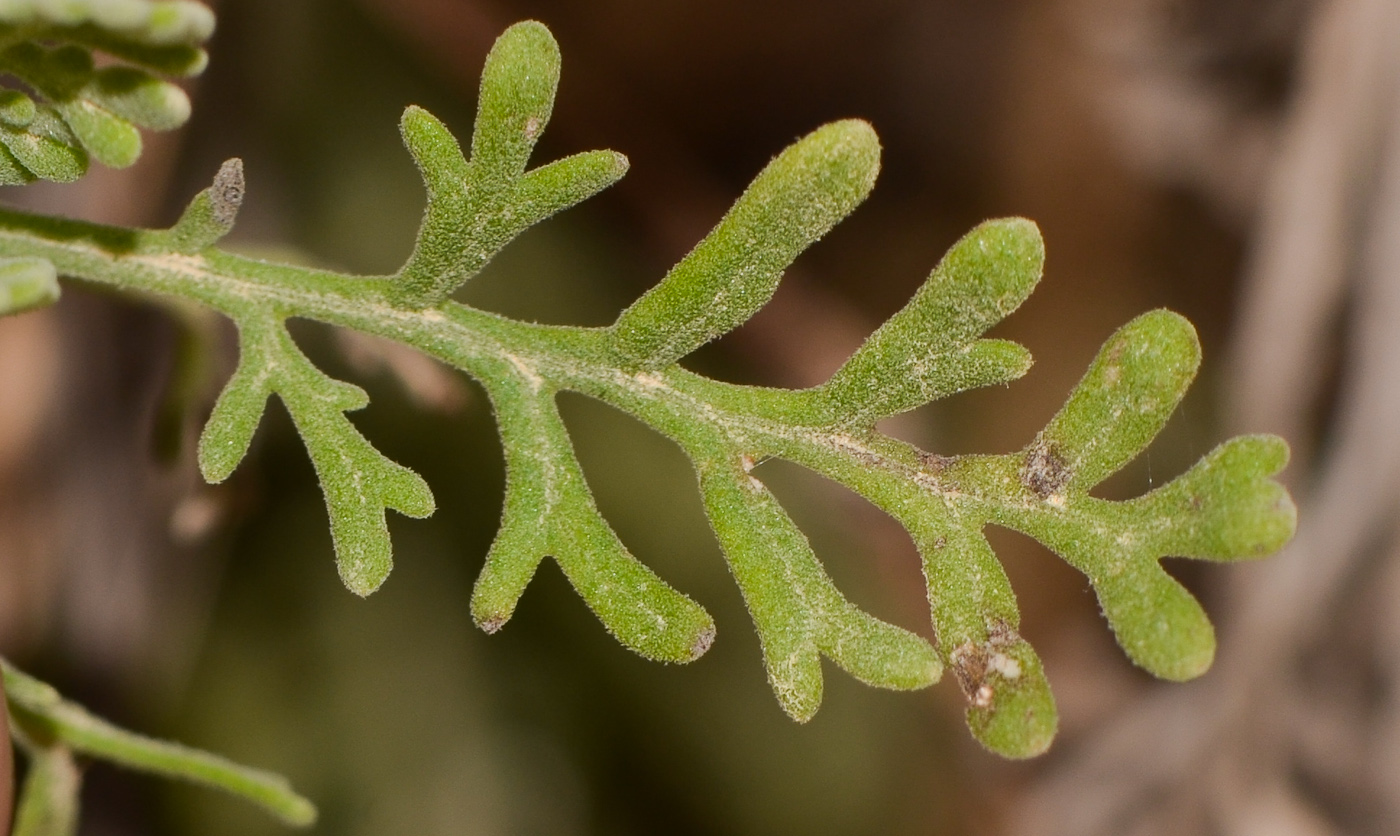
1235 160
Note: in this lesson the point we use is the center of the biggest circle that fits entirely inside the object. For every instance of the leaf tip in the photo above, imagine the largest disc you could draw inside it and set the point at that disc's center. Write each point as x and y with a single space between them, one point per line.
362 583
703 641
491 624
27 284
227 191
298 812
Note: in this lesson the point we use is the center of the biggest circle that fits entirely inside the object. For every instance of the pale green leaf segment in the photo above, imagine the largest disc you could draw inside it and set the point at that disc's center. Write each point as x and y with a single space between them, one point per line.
25 284
84 110
1225 508
52 731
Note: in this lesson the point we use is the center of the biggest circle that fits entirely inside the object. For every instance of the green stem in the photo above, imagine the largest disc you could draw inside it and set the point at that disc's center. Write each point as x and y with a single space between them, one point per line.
672 400
48 804
55 724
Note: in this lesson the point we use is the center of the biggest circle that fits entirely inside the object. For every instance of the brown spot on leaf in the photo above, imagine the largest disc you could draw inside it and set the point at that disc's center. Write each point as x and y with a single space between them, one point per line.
974 664
702 643
1045 471
970 667
492 624
1002 634
933 462
1116 352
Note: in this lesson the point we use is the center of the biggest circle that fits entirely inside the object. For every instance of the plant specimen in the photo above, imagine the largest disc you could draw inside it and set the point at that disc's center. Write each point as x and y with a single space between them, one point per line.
1225 508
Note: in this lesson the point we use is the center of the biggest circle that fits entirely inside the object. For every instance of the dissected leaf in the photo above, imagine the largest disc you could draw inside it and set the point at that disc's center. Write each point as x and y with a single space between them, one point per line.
1227 507
796 607
793 202
930 350
549 511
359 483
476 207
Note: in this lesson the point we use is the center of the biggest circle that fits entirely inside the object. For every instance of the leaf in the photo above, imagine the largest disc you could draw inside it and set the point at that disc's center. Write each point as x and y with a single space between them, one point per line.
1227 507
1011 710
517 97
476 207
209 216
26 284
146 22
45 148
359 483
1124 400
563 183
930 350
49 47
549 511
735 270
796 607
1224 508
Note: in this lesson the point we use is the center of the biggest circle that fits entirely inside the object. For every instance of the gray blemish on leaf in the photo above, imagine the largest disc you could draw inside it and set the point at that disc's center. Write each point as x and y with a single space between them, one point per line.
1045 472
933 462
226 194
975 665
702 643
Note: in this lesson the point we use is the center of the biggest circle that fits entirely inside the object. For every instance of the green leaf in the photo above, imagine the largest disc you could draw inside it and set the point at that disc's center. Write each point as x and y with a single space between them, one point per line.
475 208
517 97
563 183
1224 508
51 730
16 109
359 483
1227 507
930 350
796 607
49 47
549 511
1010 708
209 216
46 148
735 270
26 284
150 22
1124 400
